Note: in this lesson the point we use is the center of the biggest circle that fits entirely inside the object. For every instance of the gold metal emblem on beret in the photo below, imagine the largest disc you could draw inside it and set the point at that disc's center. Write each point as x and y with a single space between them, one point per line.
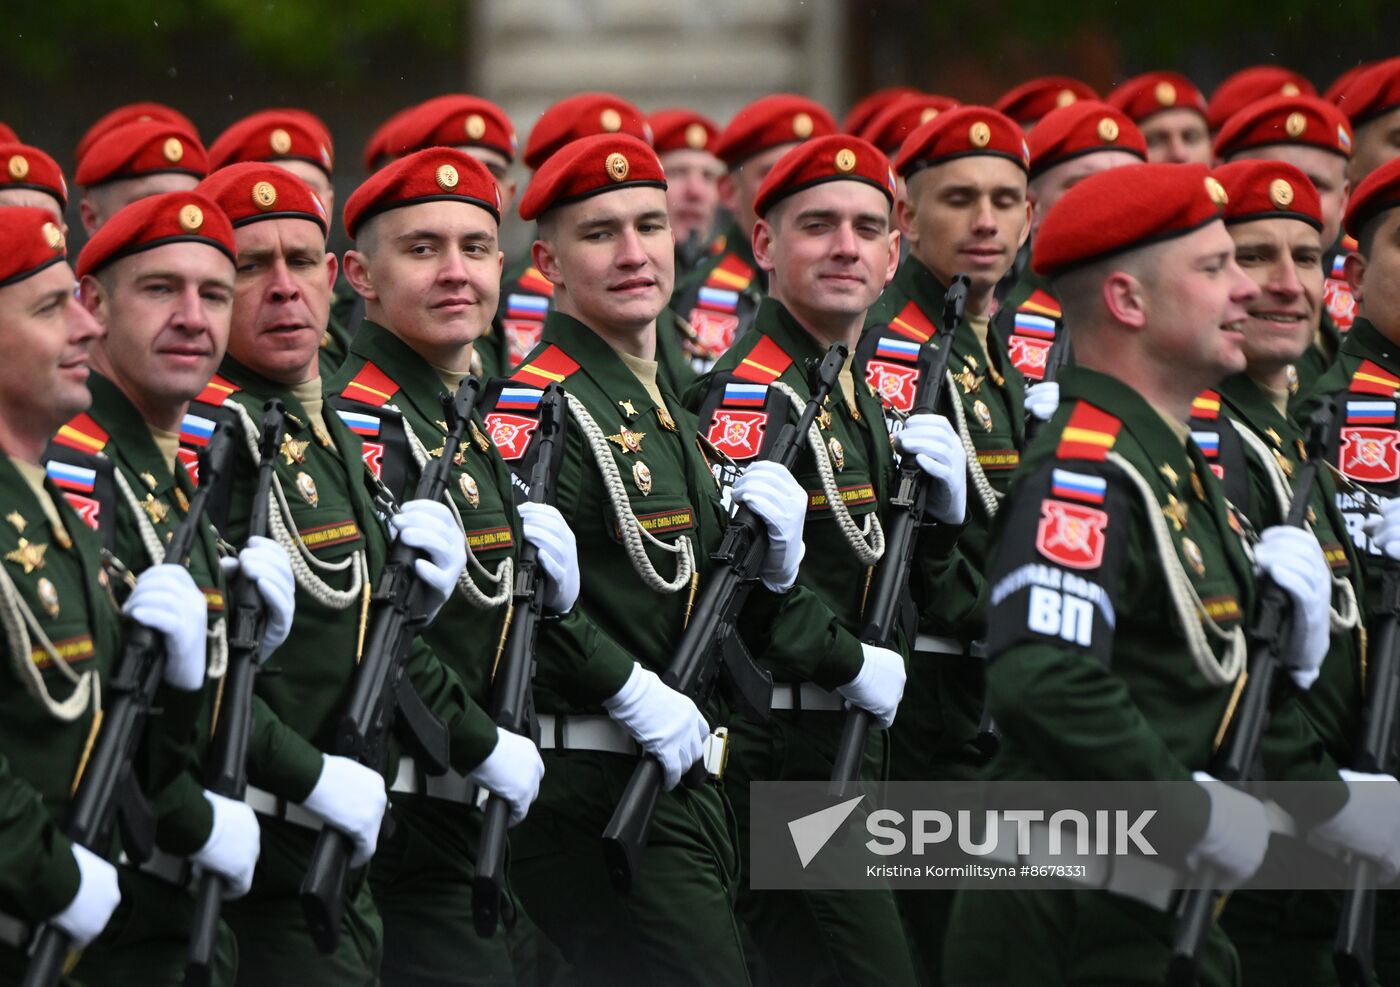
641 476
1108 129
53 236
979 134
1289 89
191 218
19 167
1216 191
446 177
1280 193
172 150
1064 97
802 125
928 114
845 161
264 195
1165 93
475 126
610 120
280 141
1295 124
617 166
695 136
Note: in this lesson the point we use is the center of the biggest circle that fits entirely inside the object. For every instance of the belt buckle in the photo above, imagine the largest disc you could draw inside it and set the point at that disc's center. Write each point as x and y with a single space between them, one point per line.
716 753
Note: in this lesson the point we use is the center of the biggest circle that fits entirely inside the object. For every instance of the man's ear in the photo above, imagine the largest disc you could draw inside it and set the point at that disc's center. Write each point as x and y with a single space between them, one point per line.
1355 270
542 254
357 273
87 212
1026 230
332 269
893 265
94 298
905 214
729 193
763 244
1125 299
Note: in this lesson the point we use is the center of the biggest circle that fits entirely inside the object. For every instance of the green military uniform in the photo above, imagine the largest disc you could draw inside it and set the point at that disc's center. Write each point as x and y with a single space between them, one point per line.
719 299
422 875
1030 321
1318 357
814 937
329 525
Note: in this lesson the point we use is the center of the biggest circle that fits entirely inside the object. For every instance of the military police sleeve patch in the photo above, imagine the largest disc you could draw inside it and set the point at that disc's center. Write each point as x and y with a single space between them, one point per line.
738 420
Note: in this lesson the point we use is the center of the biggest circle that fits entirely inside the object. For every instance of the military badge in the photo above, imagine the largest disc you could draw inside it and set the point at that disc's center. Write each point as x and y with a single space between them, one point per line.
838 453
1071 535
1192 551
27 555
983 415
156 510
641 476
511 433
1371 455
292 450
628 440
894 384
48 597
736 433
307 488
470 491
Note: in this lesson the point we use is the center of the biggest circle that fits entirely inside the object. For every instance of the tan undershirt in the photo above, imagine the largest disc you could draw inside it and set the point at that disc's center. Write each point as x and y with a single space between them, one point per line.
981 327
645 372
34 476
847 381
312 398
167 442
1179 428
1277 397
451 379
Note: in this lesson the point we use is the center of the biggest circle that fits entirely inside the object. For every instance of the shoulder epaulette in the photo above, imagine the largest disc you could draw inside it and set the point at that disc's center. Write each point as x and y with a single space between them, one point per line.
732 273
553 366
913 323
371 386
1370 378
82 434
1089 434
532 280
765 363
1206 406
217 390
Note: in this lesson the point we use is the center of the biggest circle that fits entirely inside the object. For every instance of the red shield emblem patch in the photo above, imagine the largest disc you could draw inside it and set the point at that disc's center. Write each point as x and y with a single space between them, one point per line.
1029 355
737 434
1341 304
511 433
373 454
1371 455
190 459
521 337
1071 535
88 509
714 331
894 384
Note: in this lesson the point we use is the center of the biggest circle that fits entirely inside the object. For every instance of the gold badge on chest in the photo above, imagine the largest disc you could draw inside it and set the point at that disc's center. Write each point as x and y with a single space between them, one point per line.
983 414
48 597
628 408
667 422
482 442
156 510
838 453
1175 512
1192 551
307 488
294 451
628 440
27 555
970 382
641 476
17 519
470 492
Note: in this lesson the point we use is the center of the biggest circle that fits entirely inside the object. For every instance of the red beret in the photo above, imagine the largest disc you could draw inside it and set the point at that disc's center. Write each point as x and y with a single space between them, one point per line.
1082 128
453 120
682 130
1123 209
434 174
147 147
1305 120
171 217
834 158
583 115
132 113
377 147
7 134
1372 92
1156 92
29 242
771 122
901 117
1336 92
959 133
1032 99
23 166
273 135
1254 83
1379 191
1268 190
254 190
590 166
867 108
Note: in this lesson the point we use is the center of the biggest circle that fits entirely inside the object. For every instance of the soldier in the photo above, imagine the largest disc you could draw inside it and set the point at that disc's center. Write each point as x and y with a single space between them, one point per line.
868 107
719 298
1171 113
63 635
1372 102
825 240
32 178
132 161
324 515
427 265
1027 103
1249 85
685 141
159 279
637 491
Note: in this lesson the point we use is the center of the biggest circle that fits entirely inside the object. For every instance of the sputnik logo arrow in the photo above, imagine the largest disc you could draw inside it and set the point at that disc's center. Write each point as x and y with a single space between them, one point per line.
812 832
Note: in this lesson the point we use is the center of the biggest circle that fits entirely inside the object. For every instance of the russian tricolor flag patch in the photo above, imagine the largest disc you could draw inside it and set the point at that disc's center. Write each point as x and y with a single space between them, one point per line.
66 476
1078 486
196 431
897 349
1370 412
363 425
745 395
518 399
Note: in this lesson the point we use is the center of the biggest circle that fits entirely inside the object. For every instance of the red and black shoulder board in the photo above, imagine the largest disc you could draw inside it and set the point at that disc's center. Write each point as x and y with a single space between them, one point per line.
1034 327
88 483
1089 434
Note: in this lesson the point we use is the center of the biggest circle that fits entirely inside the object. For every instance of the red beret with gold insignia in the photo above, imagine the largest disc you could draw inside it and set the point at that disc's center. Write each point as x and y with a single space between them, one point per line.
157 220
452 120
1034 98
252 190
29 242
7 134
1125 208
682 130
1378 192
771 122
1156 92
274 135
1268 190
901 117
959 133
583 115
1372 93
867 108
147 147
1251 84
1305 120
132 113
23 166
834 158
434 174
1083 128
591 166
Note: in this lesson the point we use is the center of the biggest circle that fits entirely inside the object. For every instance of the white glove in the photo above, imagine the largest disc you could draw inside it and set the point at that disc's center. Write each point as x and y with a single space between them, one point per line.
1367 824
1237 835
879 685
167 601
665 722
936 447
266 563
771 492
351 798
513 771
1294 559
545 528
233 845
1042 399
97 898
429 527
1384 528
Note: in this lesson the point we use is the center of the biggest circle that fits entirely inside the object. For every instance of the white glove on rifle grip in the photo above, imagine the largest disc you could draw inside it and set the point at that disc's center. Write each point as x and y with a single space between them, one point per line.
936 447
1237 836
266 563
1293 558
879 685
545 528
233 845
1384 528
1369 823
665 722
168 602
513 771
97 898
428 526
1042 399
775 496
351 798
